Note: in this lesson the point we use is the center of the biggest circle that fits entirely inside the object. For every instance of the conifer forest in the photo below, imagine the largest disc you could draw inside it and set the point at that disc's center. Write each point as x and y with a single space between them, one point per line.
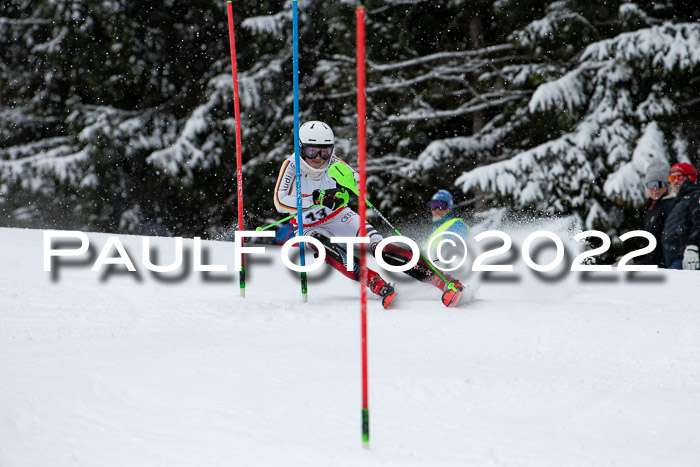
117 115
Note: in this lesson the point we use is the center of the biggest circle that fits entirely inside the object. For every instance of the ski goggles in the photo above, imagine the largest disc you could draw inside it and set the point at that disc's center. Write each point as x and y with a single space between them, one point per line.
657 184
438 205
677 177
312 152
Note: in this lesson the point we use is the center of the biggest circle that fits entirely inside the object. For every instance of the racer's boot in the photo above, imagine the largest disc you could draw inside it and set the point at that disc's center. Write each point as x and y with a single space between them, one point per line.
382 288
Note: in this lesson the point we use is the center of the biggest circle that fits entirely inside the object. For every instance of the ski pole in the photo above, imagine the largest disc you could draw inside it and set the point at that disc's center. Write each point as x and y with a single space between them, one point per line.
345 178
281 220
275 223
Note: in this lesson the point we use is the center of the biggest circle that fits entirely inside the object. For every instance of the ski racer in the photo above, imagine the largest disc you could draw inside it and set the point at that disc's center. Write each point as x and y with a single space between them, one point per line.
325 215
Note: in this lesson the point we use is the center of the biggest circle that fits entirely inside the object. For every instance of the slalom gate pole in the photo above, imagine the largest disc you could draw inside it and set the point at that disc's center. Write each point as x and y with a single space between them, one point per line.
297 157
239 158
362 211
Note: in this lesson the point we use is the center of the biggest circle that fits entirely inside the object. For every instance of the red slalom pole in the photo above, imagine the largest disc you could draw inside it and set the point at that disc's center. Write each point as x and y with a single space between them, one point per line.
239 158
362 211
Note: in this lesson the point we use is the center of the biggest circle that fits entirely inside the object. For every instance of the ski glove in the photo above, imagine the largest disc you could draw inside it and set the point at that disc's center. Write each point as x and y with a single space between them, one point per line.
332 199
690 258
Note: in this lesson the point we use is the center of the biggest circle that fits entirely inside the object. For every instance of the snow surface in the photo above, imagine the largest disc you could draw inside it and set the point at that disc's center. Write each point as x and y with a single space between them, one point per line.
123 368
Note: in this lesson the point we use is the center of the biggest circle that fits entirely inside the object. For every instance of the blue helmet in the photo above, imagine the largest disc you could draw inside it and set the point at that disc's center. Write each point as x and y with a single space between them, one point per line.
444 196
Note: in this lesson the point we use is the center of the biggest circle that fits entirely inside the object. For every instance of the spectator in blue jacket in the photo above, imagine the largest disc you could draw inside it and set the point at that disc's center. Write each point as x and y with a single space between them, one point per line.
444 219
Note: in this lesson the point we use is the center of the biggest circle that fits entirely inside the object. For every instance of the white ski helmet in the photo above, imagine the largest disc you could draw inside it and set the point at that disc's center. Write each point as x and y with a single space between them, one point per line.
316 134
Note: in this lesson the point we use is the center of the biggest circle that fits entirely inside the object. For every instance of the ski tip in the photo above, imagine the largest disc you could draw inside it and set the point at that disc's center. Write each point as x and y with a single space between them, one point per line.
388 300
462 295
451 298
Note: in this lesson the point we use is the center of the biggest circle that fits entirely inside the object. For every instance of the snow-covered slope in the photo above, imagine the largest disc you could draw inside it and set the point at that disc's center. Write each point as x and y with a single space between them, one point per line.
141 370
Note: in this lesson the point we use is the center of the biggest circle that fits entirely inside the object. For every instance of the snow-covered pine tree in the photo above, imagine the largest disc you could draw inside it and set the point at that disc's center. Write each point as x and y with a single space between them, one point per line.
610 93
92 89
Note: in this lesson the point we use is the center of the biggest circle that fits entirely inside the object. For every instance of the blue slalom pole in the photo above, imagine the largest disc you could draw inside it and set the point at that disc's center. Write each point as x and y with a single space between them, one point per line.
297 156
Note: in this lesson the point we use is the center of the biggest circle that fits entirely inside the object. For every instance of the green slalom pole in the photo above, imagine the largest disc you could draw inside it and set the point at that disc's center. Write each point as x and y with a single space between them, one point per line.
344 177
